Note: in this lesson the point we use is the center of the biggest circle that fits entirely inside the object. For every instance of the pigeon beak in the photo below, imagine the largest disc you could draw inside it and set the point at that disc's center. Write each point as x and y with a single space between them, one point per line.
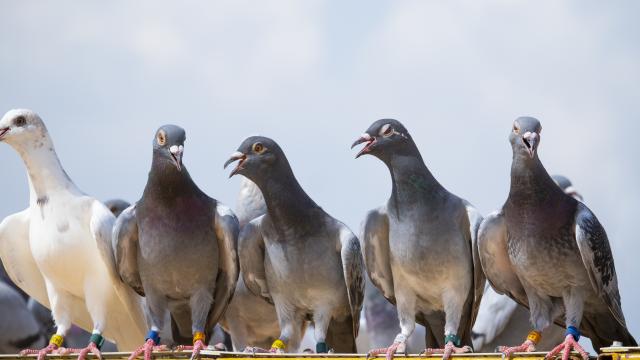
235 157
364 138
531 141
3 132
571 191
176 155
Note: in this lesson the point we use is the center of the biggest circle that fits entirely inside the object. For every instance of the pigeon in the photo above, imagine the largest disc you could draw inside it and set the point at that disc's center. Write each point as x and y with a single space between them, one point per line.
422 226
548 252
116 206
177 247
249 319
59 250
18 328
502 321
297 256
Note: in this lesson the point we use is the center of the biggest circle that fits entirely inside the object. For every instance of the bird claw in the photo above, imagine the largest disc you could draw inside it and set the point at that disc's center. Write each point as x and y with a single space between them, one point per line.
565 347
91 348
197 347
396 347
42 353
448 350
147 349
508 351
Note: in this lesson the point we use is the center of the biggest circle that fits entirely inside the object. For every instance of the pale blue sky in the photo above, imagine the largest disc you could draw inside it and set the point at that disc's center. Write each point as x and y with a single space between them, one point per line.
313 75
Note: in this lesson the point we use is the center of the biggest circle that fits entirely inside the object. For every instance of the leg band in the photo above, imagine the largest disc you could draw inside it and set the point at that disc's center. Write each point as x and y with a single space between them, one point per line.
56 340
198 335
97 339
573 331
322 348
455 339
534 336
153 336
279 344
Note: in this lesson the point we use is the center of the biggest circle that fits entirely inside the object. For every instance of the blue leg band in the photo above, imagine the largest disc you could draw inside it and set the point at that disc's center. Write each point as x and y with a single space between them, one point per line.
571 330
153 335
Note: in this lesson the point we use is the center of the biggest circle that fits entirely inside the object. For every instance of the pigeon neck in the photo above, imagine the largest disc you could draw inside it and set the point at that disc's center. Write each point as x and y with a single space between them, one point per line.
165 181
44 170
285 199
411 180
530 179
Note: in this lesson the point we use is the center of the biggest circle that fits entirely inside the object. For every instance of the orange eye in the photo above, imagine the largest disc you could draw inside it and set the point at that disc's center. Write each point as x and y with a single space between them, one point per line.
516 129
258 148
162 138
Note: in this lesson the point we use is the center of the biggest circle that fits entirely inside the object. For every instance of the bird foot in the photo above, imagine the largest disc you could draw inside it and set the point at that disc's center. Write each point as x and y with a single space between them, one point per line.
396 347
259 350
147 349
82 352
42 353
507 351
195 349
566 347
448 350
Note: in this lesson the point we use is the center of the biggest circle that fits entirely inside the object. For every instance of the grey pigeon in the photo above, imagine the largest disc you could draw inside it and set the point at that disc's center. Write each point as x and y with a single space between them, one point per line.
18 328
177 247
297 256
420 248
502 321
249 319
548 252
116 206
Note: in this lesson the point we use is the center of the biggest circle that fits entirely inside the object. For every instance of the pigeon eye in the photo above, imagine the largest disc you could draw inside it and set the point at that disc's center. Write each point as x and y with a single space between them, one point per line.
386 130
20 121
258 148
162 138
516 129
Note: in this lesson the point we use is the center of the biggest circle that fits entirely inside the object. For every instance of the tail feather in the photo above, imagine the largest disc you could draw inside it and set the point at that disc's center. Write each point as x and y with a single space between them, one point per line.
603 329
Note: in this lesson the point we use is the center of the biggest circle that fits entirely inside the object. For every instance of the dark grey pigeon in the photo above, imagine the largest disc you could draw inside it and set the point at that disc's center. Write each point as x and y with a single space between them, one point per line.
297 256
420 248
567 186
548 252
177 247
18 328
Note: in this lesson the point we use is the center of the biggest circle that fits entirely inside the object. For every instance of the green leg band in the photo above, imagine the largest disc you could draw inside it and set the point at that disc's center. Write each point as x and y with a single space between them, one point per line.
97 339
455 339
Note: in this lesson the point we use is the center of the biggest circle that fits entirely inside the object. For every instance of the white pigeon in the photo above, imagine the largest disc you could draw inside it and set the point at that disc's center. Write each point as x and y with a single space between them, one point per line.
59 250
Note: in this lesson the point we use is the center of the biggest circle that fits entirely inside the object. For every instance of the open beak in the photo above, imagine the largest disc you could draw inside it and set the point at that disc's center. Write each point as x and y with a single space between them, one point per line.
235 157
176 155
364 138
3 132
531 141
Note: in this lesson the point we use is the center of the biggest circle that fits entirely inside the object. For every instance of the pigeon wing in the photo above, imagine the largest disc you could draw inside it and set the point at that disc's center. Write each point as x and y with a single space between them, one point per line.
597 258
251 254
226 228
375 246
475 220
492 249
353 269
125 249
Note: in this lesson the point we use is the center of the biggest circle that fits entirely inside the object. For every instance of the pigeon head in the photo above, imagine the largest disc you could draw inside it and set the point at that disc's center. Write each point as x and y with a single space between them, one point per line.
525 136
22 127
385 136
116 206
257 155
168 144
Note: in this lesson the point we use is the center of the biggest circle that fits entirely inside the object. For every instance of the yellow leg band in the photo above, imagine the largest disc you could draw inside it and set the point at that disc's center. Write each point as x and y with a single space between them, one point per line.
279 344
534 336
198 336
56 340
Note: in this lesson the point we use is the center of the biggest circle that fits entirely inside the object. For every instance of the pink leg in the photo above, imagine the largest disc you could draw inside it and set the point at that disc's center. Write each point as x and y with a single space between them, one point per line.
448 350
42 353
527 346
147 349
82 353
397 346
566 347
196 348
